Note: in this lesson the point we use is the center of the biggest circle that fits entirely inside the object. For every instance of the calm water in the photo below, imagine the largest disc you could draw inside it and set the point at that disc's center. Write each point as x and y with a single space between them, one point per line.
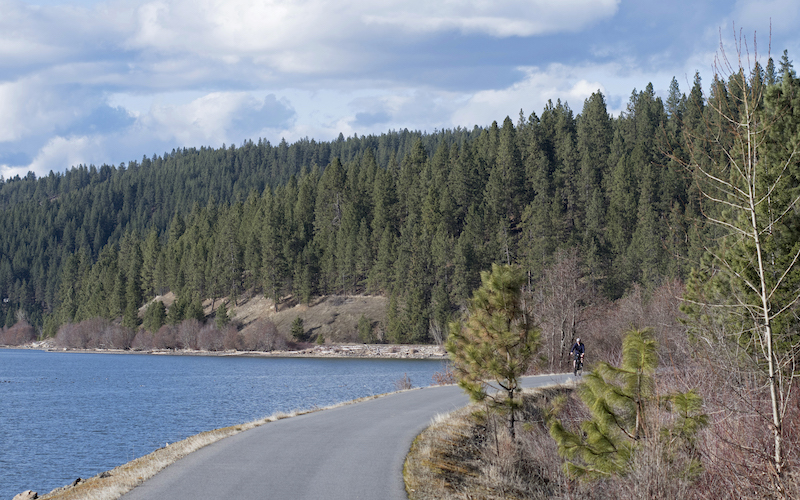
69 415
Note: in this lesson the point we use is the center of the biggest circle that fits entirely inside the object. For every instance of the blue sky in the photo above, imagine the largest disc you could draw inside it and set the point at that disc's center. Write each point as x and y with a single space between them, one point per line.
98 82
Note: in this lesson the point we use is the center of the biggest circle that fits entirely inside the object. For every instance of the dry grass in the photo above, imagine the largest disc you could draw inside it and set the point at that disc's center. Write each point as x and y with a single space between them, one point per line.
335 317
468 454
112 484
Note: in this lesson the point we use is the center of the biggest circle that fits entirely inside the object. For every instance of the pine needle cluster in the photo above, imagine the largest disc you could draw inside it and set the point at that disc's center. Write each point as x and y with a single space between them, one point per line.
627 413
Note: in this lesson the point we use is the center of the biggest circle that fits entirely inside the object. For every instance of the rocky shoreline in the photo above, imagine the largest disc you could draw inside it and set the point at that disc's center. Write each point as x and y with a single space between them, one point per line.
376 351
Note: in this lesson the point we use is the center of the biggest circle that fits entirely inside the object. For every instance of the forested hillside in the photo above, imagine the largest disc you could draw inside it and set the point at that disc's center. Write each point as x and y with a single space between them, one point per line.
44 221
413 216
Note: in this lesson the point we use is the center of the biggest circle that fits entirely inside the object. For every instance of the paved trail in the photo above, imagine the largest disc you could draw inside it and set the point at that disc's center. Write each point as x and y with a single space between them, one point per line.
351 452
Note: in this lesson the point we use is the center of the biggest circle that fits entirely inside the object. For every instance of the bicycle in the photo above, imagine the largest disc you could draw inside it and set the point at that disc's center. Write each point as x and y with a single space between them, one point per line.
578 366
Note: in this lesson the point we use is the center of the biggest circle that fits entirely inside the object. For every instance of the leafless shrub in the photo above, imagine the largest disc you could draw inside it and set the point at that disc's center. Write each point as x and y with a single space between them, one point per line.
736 445
210 339
19 334
403 383
445 377
73 336
559 303
95 333
114 336
143 341
232 339
602 329
263 335
166 337
663 311
187 332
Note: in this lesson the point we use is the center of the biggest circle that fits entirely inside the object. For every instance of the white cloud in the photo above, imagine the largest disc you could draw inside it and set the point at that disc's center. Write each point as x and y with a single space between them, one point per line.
529 94
217 117
114 134
32 106
783 15
58 153
314 36
499 18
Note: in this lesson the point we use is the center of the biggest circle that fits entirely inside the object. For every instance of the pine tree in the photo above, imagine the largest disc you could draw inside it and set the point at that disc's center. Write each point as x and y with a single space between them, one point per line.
298 331
222 319
154 316
493 347
624 409
365 330
151 253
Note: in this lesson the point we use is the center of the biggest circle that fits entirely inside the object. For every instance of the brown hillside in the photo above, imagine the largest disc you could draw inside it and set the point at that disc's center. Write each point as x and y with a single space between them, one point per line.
335 317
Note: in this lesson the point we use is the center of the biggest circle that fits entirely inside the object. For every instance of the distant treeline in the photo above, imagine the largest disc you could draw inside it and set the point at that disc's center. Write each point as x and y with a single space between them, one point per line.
409 215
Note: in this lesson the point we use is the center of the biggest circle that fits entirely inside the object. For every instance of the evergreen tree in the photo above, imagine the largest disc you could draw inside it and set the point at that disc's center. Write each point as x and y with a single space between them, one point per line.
221 317
622 401
365 330
154 316
151 254
496 343
298 331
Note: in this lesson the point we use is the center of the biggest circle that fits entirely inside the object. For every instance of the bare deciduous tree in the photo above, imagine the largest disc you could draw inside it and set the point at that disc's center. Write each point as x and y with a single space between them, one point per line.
559 302
263 335
744 299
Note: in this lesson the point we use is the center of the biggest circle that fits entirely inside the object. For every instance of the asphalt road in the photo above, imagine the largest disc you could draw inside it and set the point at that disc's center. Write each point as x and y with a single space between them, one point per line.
351 452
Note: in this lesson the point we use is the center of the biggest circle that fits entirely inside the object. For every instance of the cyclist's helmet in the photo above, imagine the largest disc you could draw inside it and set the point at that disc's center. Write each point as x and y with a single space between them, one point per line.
578 340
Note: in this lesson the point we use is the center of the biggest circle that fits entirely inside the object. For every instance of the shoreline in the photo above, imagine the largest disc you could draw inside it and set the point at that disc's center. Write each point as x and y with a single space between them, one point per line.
114 483
366 351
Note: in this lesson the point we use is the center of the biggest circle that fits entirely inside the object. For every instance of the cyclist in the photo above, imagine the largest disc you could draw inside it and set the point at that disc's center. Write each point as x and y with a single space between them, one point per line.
578 350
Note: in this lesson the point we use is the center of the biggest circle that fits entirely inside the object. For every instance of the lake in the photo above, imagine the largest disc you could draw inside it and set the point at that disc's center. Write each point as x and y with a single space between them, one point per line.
70 415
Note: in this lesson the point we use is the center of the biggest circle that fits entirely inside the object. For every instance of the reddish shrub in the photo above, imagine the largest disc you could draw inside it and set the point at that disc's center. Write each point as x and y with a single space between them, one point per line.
232 339
143 341
263 335
73 336
166 338
210 339
187 333
19 334
115 336
95 333
445 377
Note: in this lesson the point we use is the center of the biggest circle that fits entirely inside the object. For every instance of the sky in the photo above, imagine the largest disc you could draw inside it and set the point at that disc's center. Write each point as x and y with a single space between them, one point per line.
107 82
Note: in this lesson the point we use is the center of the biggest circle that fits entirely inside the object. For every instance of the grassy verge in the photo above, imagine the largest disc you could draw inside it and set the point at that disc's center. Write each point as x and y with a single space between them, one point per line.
468 454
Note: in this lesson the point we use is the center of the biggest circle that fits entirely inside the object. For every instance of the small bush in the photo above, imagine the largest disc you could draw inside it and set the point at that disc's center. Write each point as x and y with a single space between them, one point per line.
445 377
166 338
403 383
187 333
143 341
232 339
19 334
210 339
298 331
263 335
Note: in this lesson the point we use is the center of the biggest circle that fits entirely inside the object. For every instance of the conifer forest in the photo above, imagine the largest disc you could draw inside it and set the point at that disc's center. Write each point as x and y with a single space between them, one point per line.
413 216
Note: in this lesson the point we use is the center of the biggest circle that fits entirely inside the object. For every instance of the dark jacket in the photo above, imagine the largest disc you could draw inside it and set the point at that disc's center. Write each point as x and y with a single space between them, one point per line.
578 348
